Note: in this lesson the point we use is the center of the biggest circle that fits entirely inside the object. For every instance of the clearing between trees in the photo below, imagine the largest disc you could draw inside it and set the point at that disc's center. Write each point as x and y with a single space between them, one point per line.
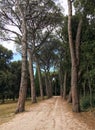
51 114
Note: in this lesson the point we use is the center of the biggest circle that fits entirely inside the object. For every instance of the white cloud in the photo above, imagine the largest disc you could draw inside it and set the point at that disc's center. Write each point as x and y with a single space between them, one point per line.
9 45
64 5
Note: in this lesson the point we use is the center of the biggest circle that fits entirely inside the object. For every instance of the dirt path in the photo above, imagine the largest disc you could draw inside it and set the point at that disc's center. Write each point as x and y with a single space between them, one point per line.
52 114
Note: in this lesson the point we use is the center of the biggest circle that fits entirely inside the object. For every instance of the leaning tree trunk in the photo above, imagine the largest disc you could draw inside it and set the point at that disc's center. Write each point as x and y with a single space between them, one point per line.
40 80
74 73
23 84
65 83
31 72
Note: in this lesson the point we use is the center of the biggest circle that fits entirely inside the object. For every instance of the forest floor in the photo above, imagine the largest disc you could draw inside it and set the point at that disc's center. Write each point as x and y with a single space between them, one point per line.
51 114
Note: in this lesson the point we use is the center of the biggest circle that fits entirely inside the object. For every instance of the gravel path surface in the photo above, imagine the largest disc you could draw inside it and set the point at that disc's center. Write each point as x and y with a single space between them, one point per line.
51 114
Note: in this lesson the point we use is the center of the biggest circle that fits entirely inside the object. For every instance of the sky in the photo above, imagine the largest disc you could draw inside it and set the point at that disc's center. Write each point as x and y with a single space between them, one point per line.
11 46
64 5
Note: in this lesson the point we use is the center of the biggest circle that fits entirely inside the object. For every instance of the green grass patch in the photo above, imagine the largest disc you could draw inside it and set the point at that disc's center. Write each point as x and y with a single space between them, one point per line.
7 109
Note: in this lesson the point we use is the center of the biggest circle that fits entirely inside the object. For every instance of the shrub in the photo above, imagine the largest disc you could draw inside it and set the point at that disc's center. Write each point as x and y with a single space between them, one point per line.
85 103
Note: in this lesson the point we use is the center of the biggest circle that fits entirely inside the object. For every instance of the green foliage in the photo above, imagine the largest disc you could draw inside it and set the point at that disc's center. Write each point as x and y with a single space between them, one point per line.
84 7
85 102
5 57
10 81
10 75
14 78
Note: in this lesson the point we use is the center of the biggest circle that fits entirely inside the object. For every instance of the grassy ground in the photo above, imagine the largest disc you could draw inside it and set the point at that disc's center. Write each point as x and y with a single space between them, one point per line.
7 110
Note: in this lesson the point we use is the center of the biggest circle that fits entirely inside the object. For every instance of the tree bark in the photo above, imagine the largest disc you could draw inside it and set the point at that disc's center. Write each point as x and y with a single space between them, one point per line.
31 72
74 73
50 86
70 97
65 80
78 42
23 84
40 80
46 83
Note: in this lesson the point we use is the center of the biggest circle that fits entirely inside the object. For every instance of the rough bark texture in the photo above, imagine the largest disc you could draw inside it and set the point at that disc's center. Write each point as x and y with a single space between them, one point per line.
40 80
74 73
70 97
31 72
23 84
65 80
78 42
48 85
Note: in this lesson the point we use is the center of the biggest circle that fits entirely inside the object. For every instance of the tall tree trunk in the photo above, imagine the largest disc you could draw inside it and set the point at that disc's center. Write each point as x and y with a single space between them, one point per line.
31 72
77 44
70 96
50 85
46 83
23 84
65 80
40 80
74 73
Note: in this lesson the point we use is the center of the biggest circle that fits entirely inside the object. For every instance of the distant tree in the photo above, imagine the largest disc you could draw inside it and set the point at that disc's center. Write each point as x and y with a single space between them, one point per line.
14 78
40 26
5 58
47 59
27 17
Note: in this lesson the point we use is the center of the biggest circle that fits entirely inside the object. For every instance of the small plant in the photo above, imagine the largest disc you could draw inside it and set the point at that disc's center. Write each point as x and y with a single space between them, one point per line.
85 103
